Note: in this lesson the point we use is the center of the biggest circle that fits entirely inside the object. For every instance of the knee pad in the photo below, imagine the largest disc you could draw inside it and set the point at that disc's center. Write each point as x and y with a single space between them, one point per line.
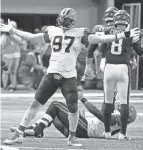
72 97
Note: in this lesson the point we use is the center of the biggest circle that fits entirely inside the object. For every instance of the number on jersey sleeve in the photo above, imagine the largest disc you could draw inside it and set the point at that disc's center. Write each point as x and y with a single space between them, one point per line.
116 47
57 43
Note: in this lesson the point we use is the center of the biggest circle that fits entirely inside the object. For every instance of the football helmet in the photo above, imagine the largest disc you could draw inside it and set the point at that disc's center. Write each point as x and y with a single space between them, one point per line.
132 113
122 17
67 18
109 14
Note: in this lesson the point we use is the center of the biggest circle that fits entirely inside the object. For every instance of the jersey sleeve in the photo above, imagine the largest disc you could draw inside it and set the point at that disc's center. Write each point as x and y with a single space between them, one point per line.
100 29
47 34
138 48
135 39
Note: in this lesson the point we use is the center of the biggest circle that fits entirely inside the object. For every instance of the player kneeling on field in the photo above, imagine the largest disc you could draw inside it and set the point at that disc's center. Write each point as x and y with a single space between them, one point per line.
88 126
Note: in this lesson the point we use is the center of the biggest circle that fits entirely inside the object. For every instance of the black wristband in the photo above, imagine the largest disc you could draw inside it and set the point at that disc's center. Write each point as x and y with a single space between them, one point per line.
83 100
127 34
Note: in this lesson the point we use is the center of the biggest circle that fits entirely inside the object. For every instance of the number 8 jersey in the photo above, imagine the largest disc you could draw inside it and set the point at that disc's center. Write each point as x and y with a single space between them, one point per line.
65 45
120 51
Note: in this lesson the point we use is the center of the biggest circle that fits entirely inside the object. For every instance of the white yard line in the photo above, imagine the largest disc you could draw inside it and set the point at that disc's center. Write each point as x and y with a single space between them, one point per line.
56 95
37 148
63 100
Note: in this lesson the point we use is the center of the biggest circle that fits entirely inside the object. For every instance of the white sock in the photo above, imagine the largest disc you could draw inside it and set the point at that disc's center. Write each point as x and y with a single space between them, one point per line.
46 119
73 121
27 118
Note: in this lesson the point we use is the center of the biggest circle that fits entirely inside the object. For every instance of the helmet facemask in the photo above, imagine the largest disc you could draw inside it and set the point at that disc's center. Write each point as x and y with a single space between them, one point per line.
132 113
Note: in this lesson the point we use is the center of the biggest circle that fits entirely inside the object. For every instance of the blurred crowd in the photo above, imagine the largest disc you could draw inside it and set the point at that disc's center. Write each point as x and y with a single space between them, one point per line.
27 62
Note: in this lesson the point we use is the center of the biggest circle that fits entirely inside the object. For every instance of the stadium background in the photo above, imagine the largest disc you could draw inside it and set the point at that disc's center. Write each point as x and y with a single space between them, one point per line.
32 14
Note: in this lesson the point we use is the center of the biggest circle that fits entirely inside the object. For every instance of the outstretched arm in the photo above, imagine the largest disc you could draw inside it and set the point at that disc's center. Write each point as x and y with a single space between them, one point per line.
28 36
95 39
40 37
95 111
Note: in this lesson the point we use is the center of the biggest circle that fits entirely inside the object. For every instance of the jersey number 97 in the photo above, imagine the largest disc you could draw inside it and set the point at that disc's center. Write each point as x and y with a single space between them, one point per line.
58 40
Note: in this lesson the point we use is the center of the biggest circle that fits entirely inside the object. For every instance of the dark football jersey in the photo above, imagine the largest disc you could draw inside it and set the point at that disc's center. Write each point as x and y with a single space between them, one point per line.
120 51
100 30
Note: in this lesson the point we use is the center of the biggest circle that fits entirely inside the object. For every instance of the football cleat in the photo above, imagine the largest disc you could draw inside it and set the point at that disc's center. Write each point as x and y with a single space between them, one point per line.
14 137
29 132
38 132
67 18
107 135
72 141
123 137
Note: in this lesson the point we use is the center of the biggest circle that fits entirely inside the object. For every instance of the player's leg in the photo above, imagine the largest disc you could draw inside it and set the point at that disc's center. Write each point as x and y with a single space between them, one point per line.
60 126
123 87
5 75
62 115
47 119
69 90
109 87
13 74
46 89
57 113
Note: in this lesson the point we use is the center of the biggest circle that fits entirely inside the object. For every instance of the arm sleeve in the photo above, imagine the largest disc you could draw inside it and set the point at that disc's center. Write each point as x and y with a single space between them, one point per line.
138 48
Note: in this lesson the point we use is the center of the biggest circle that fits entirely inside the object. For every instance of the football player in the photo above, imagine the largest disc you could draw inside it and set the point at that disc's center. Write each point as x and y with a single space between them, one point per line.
66 43
117 72
100 30
89 126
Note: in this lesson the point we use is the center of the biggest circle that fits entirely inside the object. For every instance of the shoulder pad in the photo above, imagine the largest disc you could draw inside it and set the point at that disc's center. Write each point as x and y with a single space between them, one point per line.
49 28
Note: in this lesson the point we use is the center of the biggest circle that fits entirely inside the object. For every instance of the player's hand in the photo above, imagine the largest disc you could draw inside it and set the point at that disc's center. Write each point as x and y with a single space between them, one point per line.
80 92
5 28
133 64
135 32
132 32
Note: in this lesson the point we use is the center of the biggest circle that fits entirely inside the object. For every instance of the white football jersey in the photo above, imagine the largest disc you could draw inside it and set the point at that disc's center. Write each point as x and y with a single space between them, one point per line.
96 127
65 45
